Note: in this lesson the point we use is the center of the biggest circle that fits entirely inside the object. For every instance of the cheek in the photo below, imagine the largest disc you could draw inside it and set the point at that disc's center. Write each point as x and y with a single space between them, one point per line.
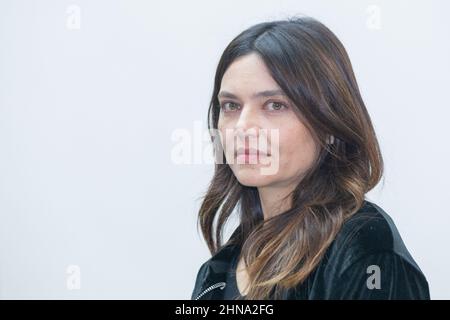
222 129
297 149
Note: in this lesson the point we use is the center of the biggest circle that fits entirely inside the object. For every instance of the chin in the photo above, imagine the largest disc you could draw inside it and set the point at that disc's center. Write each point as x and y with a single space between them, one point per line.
252 177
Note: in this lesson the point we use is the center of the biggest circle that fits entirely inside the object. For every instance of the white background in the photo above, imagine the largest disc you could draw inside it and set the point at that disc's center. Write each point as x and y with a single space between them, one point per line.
87 116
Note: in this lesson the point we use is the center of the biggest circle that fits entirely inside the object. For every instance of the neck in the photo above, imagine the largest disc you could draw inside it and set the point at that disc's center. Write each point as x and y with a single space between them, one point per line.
275 199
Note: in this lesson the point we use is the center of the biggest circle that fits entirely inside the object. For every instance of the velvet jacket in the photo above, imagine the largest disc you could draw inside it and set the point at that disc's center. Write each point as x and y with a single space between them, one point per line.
366 260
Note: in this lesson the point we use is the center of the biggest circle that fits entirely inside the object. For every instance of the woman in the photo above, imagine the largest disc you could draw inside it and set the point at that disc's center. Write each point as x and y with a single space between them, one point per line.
306 229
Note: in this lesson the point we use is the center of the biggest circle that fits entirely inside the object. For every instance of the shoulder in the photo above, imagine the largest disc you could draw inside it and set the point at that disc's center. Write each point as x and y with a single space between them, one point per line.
368 253
370 231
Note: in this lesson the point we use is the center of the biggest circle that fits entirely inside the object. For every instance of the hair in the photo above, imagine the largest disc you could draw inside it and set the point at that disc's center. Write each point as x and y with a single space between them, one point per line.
312 67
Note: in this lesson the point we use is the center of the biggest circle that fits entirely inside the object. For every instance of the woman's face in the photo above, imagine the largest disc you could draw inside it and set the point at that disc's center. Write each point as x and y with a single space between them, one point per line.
286 147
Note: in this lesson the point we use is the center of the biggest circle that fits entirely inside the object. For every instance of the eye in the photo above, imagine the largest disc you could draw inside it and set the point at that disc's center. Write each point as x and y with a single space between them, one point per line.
229 106
276 106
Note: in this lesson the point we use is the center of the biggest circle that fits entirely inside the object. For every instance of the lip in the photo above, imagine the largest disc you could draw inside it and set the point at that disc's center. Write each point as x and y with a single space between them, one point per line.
249 151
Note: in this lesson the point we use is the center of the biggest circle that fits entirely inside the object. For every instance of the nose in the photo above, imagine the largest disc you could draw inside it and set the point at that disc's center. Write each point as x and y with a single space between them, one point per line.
247 125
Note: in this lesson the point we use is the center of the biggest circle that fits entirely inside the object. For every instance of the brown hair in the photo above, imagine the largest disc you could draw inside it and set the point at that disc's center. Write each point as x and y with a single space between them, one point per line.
312 67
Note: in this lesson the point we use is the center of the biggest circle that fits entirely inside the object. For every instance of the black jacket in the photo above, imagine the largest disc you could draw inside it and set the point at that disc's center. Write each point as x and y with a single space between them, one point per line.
367 246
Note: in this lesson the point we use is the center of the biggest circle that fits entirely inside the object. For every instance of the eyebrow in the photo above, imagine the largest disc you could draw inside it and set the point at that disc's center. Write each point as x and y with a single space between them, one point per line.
266 93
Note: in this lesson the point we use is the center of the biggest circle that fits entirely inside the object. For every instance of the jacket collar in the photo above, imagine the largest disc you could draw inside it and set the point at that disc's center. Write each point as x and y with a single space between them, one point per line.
216 271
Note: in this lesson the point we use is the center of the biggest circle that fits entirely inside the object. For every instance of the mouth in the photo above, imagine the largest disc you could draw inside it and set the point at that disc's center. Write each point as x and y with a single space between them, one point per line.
250 151
249 155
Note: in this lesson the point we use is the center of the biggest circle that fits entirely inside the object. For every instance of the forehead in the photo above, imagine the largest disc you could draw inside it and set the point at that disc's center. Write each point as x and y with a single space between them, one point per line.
248 74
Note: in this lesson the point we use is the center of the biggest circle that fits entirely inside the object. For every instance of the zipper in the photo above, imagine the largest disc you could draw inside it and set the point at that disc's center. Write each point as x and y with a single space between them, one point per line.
220 285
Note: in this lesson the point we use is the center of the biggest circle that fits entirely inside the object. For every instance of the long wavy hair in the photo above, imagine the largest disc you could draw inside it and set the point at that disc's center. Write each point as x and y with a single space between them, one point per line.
312 67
